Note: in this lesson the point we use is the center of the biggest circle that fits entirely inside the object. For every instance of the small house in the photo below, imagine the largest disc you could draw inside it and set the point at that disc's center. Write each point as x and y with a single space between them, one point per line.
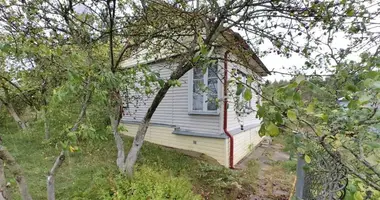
188 119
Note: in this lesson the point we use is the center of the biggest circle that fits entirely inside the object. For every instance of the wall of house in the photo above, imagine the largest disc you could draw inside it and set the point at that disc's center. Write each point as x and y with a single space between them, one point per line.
217 148
244 143
162 135
173 110
234 120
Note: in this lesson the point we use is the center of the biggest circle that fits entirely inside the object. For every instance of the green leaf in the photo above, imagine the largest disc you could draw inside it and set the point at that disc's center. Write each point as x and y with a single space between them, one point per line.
240 89
352 88
324 116
278 118
297 97
364 98
300 78
247 94
350 12
373 144
292 115
196 58
353 104
310 108
261 111
262 131
161 82
358 195
307 159
376 84
5 47
249 80
273 130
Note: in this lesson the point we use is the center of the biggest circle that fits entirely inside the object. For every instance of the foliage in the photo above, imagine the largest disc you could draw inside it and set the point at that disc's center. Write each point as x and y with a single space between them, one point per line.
53 53
338 114
90 172
357 190
149 183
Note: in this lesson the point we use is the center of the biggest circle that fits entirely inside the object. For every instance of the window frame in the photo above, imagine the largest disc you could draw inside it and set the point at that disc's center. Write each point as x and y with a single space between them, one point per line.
204 111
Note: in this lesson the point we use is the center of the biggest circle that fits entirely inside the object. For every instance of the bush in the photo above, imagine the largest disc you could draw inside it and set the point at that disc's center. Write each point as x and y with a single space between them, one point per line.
150 184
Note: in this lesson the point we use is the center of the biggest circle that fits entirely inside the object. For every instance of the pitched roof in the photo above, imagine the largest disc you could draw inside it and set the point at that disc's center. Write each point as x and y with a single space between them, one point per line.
229 40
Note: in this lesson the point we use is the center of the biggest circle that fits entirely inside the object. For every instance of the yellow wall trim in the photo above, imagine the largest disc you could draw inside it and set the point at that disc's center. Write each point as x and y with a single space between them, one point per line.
213 147
217 148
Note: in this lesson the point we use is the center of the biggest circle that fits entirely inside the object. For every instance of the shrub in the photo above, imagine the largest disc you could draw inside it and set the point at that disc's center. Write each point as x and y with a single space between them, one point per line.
150 184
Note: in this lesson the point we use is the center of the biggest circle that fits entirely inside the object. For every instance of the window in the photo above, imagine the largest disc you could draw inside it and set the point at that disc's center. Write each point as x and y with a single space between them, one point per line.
204 89
243 79
242 106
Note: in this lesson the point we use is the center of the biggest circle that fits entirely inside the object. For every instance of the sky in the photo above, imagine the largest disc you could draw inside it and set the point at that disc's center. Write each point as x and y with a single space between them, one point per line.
275 62
279 63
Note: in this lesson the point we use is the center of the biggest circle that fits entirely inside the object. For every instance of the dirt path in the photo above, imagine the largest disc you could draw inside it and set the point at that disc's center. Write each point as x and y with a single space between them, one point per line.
274 181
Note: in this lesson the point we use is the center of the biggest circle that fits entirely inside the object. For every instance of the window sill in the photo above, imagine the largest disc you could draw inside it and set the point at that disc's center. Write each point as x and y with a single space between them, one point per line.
203 113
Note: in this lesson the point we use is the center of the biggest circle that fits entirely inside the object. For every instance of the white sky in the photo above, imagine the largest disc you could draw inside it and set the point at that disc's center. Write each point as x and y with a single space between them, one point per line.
279 63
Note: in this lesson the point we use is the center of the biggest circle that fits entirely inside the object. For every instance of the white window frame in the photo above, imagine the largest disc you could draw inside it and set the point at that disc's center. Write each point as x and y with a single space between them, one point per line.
205 82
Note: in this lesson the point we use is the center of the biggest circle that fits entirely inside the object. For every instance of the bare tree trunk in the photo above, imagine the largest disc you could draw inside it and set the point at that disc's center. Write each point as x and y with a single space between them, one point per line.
4 193
15 116
82 113
50 179
11 110
140 135
115 117
16 171
61 158
46 122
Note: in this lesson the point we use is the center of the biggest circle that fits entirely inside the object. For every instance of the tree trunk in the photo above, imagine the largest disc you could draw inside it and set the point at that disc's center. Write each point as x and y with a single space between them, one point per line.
4 193
50 177
11 110
115 118
15 116
140 136
61 158
46 122
16 171
82 113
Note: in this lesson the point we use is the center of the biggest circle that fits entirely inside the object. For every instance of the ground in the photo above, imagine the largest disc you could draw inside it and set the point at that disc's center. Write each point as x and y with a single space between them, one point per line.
90 172
276 172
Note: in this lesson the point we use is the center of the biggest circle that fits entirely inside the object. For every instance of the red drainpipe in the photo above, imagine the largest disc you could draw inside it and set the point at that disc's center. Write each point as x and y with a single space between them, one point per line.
225 112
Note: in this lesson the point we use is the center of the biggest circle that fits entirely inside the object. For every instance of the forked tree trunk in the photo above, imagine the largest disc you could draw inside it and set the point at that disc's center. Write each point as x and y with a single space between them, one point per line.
115 117
61 158
15 169
140 135
4 193
50 179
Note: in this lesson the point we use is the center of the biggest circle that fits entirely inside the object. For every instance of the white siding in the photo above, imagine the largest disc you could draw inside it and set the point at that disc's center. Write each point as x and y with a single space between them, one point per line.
173 110
233 119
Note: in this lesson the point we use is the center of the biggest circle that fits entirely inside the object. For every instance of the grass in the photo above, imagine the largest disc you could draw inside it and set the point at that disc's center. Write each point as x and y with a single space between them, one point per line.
91 172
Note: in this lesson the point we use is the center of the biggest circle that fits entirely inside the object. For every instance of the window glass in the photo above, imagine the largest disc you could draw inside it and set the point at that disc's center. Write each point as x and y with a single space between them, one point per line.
205 100
197 94
198 74
212 93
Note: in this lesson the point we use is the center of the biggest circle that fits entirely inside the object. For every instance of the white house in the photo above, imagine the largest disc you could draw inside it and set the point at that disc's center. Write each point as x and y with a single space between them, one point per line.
188 119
